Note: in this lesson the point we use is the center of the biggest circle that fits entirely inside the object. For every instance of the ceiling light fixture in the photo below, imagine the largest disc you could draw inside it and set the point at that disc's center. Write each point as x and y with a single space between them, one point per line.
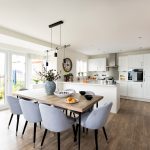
54 25
47 57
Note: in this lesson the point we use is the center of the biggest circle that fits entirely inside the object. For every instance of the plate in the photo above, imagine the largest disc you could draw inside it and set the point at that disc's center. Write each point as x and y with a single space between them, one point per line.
72 101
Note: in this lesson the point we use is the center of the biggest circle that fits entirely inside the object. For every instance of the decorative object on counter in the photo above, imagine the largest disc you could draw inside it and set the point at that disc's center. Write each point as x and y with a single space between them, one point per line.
36 81
82 92
49 77
88 97
68 77
68 65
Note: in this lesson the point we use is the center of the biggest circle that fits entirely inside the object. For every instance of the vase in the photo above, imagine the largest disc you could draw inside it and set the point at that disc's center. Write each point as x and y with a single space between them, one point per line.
50 87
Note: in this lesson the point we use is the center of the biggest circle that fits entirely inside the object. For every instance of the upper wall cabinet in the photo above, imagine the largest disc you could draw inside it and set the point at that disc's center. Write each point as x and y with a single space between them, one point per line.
98 64
135 61
147 63
123 63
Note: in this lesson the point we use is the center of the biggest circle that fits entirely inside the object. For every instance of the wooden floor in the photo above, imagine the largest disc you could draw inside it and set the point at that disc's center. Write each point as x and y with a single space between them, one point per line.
127 130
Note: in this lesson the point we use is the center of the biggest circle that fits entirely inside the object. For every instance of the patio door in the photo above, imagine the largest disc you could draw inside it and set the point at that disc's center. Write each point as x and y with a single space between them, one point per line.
18 72
2 79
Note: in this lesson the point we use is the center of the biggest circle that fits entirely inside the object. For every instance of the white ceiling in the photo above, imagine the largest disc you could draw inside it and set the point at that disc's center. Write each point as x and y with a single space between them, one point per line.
90 26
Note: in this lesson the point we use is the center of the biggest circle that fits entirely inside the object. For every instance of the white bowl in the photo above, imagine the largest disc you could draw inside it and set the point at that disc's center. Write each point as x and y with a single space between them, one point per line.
62 94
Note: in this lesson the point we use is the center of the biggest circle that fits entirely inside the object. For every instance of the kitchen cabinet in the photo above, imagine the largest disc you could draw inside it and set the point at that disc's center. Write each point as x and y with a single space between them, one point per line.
135 61
135 89
146 86
123 88
146 63
123 63
92 65
98 64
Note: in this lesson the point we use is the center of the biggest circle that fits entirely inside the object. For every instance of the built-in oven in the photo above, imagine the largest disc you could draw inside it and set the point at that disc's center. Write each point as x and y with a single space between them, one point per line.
135 75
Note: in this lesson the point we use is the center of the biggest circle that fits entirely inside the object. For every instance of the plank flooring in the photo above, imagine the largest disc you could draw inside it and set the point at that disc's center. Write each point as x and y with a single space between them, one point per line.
127 130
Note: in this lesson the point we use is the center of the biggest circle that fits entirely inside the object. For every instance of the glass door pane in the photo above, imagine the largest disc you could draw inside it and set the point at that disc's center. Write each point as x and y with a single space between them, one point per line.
2 78
18 72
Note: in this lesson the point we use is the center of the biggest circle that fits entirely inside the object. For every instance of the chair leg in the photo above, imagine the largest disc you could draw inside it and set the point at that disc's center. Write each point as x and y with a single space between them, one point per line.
70 114
40 124
66 112
105 134
58 140
87 130
34 134
76 132
24 128
83 129
96 139
18 116
45 132
10 120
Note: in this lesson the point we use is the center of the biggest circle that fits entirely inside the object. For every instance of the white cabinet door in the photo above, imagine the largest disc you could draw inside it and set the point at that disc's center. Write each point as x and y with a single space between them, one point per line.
92 65
135 61
147 63
101 64
123 88
98 64
123 63
146 86
135 89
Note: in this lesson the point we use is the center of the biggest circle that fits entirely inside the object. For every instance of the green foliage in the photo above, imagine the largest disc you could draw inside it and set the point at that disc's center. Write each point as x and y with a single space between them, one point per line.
49 75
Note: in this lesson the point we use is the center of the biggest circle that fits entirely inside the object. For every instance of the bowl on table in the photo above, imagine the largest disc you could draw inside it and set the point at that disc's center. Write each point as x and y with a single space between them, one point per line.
71 91
82 92
88 97
62 94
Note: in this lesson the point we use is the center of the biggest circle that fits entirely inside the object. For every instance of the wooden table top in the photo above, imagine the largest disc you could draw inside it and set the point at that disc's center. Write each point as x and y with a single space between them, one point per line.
40 96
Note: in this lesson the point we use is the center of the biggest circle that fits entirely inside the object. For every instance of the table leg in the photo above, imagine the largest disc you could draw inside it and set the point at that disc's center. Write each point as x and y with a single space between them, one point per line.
79 131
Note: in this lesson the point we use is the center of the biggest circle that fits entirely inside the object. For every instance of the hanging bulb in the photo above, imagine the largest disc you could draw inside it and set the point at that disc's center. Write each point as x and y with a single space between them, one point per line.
46 64
55 54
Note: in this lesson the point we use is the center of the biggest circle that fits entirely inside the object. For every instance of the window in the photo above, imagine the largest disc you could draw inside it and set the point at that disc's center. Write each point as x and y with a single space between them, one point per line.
81 68
36 67
18 72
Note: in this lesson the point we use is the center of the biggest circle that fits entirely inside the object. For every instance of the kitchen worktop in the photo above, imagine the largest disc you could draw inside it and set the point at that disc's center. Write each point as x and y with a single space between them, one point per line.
97 83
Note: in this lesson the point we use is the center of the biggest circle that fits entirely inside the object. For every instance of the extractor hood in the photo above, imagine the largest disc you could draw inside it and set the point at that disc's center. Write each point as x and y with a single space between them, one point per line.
112 60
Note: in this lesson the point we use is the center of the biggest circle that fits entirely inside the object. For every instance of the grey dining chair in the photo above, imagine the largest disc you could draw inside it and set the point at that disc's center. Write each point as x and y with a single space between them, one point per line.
15 110
31 114
96 119
53 119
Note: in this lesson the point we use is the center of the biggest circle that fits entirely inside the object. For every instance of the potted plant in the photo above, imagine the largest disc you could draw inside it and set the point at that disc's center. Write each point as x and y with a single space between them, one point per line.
49 77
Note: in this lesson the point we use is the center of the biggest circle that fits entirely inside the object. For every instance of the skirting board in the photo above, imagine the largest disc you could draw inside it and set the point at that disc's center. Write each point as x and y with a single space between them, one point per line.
134 98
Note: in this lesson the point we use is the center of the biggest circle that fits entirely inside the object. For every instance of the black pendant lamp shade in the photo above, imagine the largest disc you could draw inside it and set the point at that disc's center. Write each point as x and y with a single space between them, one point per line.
55 54
47 58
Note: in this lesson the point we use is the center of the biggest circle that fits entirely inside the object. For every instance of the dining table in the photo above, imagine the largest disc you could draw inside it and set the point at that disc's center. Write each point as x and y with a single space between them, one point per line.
40 96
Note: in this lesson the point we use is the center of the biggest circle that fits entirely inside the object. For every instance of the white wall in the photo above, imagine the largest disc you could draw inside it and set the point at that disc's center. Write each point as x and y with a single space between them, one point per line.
73 55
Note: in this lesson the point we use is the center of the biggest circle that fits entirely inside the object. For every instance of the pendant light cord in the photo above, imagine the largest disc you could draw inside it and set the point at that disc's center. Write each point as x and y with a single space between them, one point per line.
60 36
51 38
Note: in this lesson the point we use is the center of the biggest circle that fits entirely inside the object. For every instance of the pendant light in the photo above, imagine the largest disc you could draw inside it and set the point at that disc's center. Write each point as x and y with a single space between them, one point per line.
51 26
47 57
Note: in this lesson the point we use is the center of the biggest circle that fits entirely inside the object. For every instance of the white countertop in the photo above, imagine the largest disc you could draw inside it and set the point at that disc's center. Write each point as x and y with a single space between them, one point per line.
89 83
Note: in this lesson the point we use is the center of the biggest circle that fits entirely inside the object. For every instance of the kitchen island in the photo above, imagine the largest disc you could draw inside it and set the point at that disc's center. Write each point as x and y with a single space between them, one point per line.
109 91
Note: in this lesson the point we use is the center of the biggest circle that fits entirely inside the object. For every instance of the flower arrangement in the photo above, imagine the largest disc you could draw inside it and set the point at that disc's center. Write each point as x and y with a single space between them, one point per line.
50 75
